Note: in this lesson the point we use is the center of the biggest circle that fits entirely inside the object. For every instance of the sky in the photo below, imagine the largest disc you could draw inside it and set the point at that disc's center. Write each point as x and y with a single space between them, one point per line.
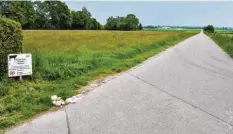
166 13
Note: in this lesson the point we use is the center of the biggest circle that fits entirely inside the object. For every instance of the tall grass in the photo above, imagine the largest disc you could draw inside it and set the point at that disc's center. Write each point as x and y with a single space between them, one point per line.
63 61
225 41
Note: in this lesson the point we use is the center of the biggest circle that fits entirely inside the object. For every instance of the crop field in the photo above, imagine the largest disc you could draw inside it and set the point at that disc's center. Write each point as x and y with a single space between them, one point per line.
63 61
71 42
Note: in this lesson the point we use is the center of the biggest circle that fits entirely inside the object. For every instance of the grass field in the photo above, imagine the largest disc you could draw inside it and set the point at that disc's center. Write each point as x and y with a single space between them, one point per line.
80 41
63 61
220 31
187 30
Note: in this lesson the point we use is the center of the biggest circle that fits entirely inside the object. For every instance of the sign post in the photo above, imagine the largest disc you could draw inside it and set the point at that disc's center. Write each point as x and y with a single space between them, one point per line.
20 77
19 65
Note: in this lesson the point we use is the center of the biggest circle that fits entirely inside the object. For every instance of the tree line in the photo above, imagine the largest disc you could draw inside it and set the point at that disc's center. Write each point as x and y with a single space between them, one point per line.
57 15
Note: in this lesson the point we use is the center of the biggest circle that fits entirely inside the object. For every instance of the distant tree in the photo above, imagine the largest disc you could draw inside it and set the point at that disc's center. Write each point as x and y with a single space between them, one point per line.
140 26
95 25
86 12
111 23
64 14
130 22
78 20
83 20
20 11
43 16
56 15
150 26
120 23
209 29
9 10
59 14
38 14
88 21
29 14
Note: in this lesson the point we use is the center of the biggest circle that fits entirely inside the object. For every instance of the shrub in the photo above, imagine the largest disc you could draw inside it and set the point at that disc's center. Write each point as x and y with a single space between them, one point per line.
10 40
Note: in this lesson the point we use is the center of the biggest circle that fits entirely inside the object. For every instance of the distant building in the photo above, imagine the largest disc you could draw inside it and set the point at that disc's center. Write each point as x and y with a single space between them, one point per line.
165 27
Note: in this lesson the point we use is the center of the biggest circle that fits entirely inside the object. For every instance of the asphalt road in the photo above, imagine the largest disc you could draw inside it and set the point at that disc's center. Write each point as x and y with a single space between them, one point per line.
187 89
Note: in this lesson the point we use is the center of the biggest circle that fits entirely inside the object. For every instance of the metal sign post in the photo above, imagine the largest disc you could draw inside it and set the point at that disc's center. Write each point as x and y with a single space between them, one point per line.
19 65
20 77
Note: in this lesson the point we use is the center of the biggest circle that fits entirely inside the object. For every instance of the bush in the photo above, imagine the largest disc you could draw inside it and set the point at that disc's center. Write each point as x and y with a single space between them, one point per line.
209 29
10 40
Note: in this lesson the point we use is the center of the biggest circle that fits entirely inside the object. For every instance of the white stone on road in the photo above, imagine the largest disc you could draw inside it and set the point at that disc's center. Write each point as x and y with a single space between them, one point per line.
187 89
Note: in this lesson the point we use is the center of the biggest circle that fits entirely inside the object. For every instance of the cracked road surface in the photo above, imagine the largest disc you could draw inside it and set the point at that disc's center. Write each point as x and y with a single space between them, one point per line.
187 89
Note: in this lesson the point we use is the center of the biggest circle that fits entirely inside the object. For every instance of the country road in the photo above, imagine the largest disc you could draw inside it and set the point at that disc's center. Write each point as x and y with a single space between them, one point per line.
187 89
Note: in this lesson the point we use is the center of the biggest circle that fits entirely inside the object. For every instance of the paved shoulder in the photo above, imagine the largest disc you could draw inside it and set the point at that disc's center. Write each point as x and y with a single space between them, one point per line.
184 90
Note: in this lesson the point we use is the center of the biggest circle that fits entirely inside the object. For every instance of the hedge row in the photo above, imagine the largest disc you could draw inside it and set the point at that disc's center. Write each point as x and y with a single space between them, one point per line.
10 40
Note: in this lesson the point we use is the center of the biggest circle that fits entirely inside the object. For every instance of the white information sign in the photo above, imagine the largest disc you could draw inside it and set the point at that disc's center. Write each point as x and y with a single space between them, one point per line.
19 65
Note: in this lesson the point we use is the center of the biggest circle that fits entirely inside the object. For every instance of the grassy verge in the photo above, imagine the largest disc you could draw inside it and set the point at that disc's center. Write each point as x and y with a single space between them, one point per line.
61 67
225 41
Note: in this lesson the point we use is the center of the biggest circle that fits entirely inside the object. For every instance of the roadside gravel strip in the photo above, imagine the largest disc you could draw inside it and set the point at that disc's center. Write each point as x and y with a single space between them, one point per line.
187 89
